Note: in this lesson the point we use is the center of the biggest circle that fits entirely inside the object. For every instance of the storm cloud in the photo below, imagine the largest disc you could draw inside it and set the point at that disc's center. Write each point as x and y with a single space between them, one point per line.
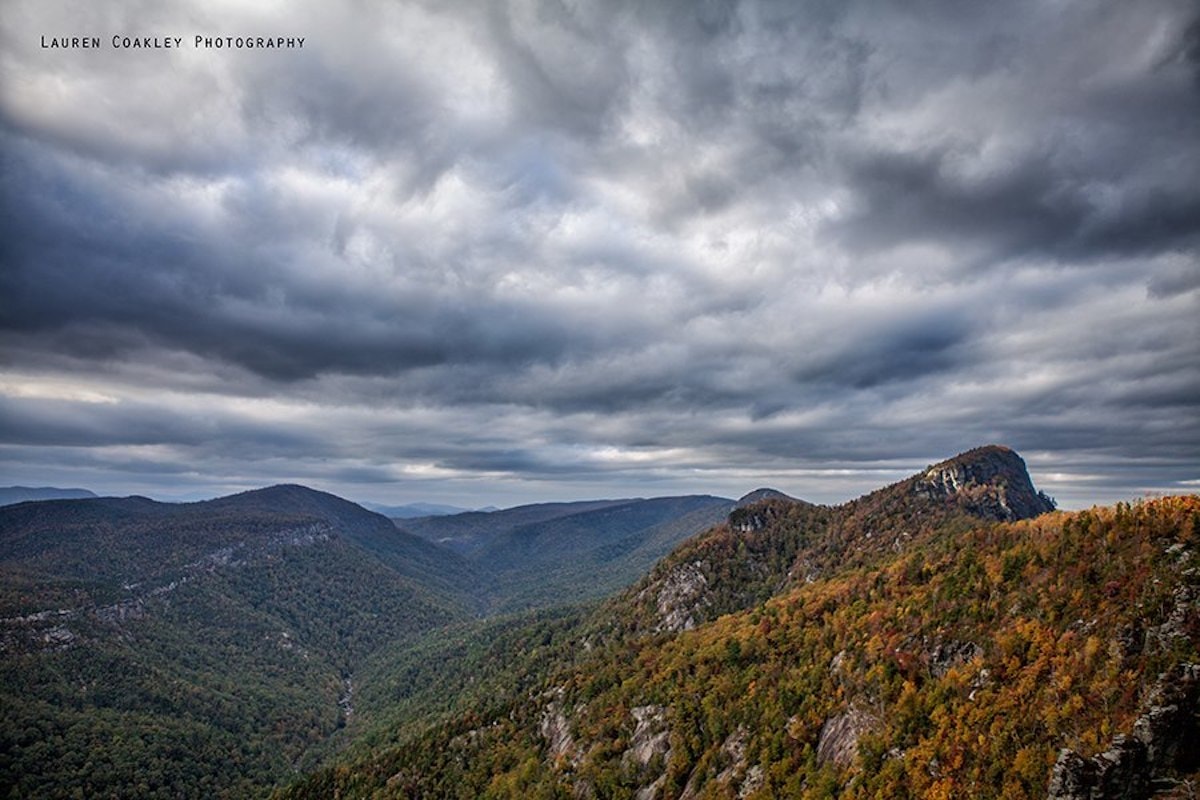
488 253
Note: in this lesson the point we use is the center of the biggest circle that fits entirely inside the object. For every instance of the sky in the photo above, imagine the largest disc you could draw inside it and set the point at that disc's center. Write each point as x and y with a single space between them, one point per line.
502 252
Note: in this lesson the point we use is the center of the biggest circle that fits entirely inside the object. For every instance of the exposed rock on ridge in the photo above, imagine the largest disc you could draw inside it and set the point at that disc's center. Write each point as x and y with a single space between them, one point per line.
748 517
771 541
990 482
680 600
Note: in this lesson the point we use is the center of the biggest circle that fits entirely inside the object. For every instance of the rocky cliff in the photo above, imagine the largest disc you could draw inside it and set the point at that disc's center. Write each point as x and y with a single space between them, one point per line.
989 482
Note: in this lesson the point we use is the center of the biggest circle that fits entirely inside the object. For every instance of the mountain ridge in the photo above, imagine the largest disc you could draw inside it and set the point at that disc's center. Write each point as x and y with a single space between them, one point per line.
182 636
10 495
786 649
581 550
923 622
771 540
415 510
235 628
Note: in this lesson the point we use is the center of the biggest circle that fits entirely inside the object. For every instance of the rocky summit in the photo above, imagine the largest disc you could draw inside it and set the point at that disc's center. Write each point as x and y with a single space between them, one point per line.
990 482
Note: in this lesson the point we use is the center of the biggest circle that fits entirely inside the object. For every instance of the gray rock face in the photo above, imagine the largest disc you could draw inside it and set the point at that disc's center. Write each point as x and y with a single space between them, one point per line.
651 736
838 743
556 730
950 654
680 598
1118 772
990 482
1165 739
1170 728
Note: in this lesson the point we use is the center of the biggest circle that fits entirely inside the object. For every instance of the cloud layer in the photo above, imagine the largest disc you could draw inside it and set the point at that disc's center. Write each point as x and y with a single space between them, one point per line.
500 252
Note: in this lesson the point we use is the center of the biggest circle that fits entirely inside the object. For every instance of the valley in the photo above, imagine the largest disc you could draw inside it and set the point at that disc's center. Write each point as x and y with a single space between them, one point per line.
229 635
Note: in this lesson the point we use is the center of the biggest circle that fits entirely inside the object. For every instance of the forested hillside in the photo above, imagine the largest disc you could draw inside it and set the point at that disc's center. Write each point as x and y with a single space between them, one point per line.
151 649
218 648
546 554
947 636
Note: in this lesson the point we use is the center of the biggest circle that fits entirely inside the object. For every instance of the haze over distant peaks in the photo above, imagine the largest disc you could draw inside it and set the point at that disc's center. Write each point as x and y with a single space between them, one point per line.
576 550
415 510
20 494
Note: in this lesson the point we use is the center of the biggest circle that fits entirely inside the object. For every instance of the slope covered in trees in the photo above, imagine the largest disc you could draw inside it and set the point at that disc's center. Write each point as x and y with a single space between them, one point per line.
546 554
217 648
946 636
923 641
151 649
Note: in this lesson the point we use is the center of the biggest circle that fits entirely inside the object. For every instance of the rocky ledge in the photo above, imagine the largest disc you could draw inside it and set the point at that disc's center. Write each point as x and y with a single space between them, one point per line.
990 482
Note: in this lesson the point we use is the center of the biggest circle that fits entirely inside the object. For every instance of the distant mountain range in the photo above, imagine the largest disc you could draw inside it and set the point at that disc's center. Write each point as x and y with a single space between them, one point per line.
10 495
412 510
549 553
287 641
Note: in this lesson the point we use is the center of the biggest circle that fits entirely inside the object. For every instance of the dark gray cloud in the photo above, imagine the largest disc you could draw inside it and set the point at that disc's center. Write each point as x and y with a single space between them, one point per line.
548 250
1034 209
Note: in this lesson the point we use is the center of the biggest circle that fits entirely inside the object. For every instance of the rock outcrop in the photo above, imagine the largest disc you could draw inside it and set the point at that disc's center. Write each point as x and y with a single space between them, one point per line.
1165 741
758 509
949 654
990 482
681 597
555 728
838 742
651 736
649 749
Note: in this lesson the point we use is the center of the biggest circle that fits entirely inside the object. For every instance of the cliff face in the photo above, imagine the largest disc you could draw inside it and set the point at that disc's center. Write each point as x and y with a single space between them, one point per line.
989 482
1165 740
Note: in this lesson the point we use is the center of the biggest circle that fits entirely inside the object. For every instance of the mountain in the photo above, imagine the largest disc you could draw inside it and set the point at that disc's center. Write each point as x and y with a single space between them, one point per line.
214 648
543 555
414 510
772 541
946 636
134 539
758 495
205 648
468 532
10 495
988 482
